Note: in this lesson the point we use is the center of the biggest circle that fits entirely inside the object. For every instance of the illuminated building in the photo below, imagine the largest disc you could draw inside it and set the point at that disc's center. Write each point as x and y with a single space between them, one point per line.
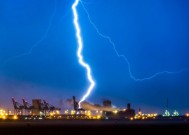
167 113
37 106
127 114
3 114
175 113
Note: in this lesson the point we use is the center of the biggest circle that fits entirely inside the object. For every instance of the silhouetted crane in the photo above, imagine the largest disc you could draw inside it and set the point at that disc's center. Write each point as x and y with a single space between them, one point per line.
27 106
76 106
18 107
49 107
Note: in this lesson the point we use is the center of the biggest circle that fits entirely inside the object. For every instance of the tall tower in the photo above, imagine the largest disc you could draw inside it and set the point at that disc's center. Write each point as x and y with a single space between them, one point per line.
167 104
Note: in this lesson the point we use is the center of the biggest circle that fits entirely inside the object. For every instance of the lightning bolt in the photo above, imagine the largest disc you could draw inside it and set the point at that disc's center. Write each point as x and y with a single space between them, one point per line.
38 42
123 56
79 53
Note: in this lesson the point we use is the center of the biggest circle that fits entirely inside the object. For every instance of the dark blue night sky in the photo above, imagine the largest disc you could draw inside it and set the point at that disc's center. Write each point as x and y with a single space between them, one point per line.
153 35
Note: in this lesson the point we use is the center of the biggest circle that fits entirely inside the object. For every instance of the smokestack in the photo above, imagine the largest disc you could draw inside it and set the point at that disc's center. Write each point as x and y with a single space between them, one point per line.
107 103
73 98
167 104
128 106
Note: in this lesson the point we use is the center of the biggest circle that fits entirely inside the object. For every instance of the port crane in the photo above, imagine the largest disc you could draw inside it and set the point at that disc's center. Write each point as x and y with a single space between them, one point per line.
76 106
27 106
49 107
18 107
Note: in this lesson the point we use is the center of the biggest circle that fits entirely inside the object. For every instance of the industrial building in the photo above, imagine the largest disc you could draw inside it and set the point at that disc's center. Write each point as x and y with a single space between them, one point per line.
123 114
42 109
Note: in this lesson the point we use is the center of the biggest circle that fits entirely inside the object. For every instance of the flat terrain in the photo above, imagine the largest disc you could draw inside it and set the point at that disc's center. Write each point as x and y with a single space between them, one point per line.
29 123
90 126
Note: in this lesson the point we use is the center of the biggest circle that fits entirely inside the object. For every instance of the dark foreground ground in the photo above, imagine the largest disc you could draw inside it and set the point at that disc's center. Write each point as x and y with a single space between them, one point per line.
56 127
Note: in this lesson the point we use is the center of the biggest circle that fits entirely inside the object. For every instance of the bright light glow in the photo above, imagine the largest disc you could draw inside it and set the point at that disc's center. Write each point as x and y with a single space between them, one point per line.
15 117
66 112
73 112
57 112
3 114
79 53
175 113
4 117
167 113
89 113
115 112
146 116
51 114
40 113
131 75
139 113
98 116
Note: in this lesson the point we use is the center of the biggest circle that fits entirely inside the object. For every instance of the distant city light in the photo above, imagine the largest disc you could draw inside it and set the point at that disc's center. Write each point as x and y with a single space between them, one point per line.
167 113
116 111
145 116
15 117
3 114
175 113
